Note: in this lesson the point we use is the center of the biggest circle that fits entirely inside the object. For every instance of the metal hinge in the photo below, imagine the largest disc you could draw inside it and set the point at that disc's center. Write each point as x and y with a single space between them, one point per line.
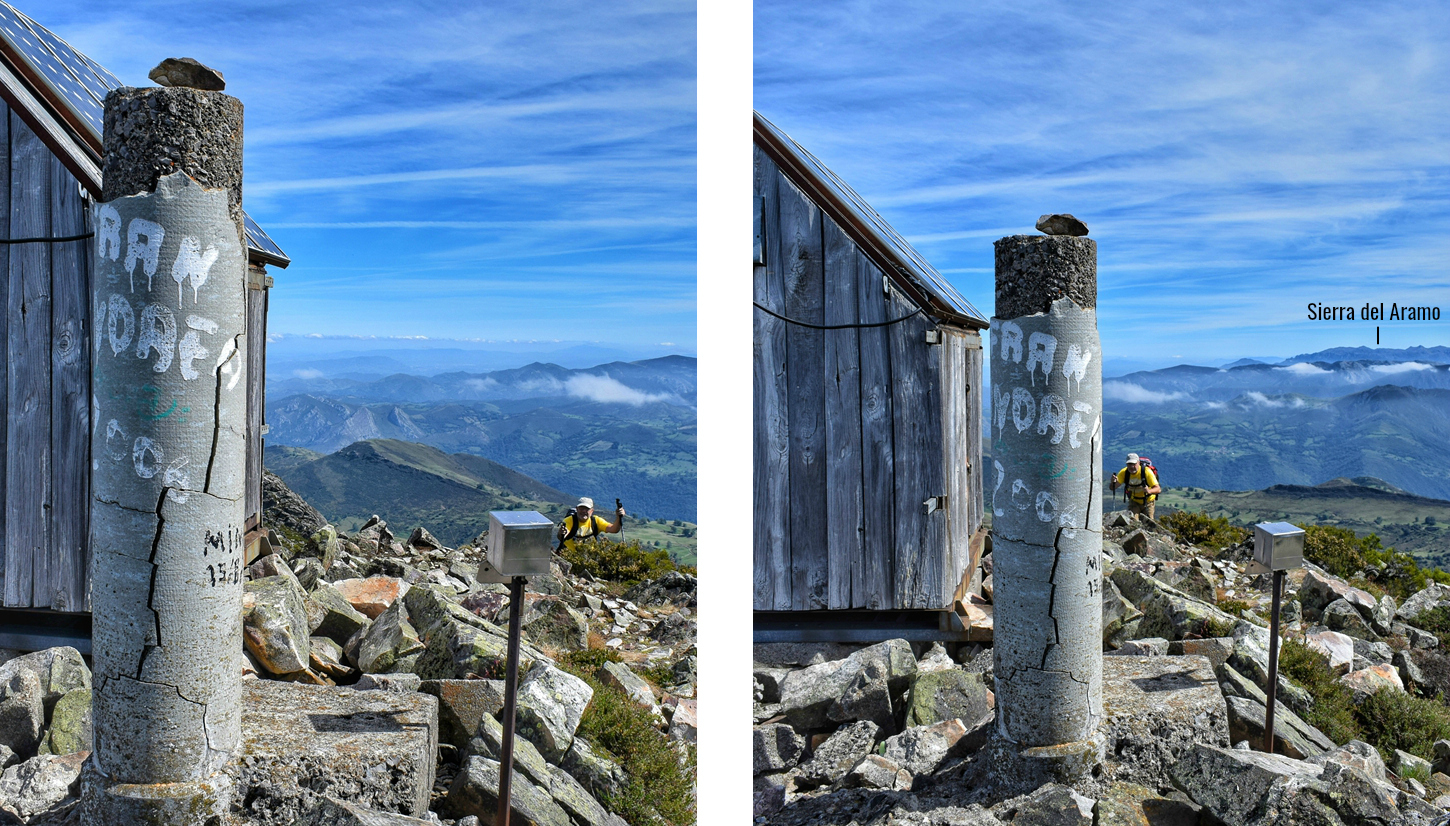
266 428
258 280
936 503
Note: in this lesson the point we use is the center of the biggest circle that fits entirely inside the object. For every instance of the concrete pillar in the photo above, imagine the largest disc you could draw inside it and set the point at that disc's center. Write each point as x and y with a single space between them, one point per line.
168 456
1046 436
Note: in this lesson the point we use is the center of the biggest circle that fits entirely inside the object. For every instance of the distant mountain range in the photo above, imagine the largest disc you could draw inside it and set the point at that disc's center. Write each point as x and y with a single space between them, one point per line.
410 485
1297 422
619 430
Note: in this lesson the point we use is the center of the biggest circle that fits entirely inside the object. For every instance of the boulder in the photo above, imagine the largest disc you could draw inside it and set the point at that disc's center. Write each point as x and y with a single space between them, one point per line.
1341 616
42 782
1129 804
59 671
390 644
1292 735
1372 680
326 657
1319 589
1433 595
1355 754
1156 708
552 623
456 649
488 742
550 704
1407 764
1049 805
1383 615
391 683
946 695
1168 612
302 743
921 749
1117 610
70 724
777 748
1368 653
1255 789
600 775
1410 673
1216 649
684 722
462 706
673 588
834 758
877 772
673 628
623 678
330 615
22 712
421 539
333 812
1149 647
838 690
274 623
371 596
1339 648
475 792
1251 658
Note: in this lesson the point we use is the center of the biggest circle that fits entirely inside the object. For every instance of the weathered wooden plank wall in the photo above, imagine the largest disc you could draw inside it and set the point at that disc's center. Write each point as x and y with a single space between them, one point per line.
771 425
976 388
70 395
878 452
256 344
841 519
854 430
4 339
805 292
28 482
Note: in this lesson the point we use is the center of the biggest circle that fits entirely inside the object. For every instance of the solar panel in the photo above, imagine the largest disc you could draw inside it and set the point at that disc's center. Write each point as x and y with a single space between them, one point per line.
81 85
921 270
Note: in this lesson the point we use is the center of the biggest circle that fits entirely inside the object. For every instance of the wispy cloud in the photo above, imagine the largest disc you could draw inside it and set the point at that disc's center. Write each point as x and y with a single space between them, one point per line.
610 390
1232 165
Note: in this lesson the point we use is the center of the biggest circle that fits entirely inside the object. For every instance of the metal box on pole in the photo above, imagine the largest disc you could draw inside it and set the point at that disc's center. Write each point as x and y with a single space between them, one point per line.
518 544
1278 546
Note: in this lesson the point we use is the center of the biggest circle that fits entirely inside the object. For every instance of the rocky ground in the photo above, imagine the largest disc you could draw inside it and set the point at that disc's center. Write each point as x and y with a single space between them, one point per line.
901 733
375 613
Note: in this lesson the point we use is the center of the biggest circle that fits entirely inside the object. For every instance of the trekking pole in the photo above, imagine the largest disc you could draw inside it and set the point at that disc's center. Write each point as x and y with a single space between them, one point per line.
619 511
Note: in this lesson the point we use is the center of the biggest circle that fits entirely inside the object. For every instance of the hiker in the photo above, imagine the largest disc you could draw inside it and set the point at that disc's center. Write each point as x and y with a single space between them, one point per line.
583 524
1140 484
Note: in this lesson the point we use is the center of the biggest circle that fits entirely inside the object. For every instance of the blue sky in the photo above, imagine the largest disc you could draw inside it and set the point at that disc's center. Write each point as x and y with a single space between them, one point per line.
1234 161
499 171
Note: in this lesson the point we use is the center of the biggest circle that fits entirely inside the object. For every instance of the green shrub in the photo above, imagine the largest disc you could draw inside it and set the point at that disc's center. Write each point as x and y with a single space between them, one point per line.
1437 622
1395 720
1337 550
626 561
1333 708
1194 528
661 785
588 660
1234 607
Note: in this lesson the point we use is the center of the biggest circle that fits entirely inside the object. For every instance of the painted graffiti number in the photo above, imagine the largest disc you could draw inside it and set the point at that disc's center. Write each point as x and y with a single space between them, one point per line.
217 545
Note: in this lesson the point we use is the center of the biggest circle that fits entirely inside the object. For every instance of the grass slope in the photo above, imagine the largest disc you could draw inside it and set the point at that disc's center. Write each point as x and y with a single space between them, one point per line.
1411 524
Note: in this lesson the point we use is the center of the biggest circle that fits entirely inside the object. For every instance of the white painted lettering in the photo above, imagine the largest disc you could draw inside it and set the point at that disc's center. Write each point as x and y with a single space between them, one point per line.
118 310
1041 347
190 348
1024 408
148 253
1052 413
193 264
108 232
1075 425
1046 506
158 332
1000 400
1001 477
143 446
1076 364
1011 334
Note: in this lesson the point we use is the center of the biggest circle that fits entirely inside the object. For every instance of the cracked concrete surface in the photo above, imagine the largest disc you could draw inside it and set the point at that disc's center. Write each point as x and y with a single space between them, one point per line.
1047 523
167 507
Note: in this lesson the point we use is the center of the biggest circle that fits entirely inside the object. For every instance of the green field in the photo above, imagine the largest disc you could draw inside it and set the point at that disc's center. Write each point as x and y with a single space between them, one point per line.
1413 524
680 540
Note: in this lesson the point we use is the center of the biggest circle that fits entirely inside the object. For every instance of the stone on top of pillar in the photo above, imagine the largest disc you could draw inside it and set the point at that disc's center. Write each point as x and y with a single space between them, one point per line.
193 74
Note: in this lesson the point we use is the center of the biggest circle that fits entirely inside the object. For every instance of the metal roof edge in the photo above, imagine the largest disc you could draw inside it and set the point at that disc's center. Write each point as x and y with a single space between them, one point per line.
883 251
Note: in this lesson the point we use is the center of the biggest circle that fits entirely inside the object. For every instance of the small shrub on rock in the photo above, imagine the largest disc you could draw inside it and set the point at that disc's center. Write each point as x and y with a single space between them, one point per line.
1192 528
1333 708
1395 720
1437 622
626 561
661 784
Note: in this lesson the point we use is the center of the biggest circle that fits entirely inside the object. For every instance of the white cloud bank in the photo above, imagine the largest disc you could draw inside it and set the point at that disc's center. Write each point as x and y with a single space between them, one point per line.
610 390
1126 391
1402 367
1303 368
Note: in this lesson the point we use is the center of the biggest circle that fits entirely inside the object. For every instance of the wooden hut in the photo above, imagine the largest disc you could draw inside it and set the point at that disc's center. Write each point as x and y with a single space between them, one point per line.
868 370
50 132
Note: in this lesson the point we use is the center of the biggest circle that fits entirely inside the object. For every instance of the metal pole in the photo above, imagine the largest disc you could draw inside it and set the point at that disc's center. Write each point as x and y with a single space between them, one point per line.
510 696
168 453
1273 688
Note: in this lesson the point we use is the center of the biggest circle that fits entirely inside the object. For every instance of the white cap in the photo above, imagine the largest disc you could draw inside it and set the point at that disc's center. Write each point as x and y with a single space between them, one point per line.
585 502
1132 460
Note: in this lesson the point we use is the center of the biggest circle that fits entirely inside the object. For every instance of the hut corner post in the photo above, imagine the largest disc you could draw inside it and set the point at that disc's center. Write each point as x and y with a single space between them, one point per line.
168 451
1046 474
